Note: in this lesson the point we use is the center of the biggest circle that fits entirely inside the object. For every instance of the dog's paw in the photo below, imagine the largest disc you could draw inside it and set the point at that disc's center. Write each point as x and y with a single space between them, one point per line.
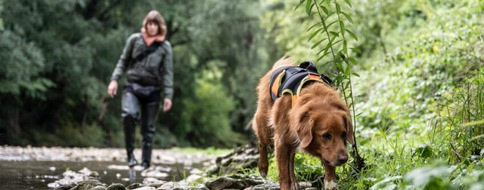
330 185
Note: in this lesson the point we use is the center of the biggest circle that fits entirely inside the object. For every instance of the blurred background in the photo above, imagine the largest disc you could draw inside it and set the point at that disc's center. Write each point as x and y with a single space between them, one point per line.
418 69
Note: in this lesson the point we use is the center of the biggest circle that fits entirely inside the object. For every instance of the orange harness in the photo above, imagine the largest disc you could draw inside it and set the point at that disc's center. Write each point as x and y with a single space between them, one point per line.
291 79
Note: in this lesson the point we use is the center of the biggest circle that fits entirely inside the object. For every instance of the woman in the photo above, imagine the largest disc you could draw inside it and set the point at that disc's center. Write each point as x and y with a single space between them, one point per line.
147 60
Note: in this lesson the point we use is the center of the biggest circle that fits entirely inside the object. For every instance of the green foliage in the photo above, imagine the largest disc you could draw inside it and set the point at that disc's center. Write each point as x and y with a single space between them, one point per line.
308 168
57 72
332 36
22 67
419 94
209 113
1 9
70 135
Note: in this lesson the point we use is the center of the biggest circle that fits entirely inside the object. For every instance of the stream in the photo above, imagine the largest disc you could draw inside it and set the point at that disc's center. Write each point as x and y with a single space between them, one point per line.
37 167
38 174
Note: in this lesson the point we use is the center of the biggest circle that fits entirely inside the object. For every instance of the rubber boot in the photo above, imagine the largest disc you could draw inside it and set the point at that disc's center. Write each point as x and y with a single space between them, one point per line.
129 137
147 149
148 119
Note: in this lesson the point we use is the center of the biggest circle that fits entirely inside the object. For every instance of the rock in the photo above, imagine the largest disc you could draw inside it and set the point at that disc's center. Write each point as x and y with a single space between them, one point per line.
90 184
166 186
134 186
71 179
241 158
145 188
196 171
221 183
116 186
150 172
234 182
213 169
153 182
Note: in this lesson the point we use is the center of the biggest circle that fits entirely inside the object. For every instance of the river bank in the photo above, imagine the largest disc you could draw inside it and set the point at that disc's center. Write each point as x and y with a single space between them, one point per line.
160 156
54 167
105 168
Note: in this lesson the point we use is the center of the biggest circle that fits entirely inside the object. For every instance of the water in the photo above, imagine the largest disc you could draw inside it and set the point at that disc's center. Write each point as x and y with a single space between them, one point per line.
37 174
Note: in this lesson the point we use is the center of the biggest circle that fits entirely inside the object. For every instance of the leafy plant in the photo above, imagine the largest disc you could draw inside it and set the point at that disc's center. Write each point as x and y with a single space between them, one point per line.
332 38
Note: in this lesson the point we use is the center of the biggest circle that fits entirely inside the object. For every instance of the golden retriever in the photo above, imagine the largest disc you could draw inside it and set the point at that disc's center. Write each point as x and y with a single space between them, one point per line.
318 122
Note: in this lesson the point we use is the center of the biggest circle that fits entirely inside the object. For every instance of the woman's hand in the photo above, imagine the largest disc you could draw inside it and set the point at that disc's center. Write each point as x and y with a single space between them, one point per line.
113 88
166 105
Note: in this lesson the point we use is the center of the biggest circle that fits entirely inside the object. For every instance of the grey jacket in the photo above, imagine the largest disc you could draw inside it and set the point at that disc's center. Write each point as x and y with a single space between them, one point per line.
156 69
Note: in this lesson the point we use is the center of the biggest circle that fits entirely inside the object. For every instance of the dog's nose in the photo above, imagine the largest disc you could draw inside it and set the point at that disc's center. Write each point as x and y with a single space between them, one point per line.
342 157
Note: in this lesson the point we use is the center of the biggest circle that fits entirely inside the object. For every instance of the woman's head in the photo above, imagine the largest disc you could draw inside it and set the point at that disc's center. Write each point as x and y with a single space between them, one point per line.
154 24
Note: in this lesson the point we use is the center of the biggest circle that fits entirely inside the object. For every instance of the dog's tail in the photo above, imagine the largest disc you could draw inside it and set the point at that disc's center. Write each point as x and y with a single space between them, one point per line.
285 60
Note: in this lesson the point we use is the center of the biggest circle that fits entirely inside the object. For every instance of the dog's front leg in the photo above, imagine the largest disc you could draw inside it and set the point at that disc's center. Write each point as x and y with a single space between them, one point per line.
263 163
263 133
294 184
284 156
329 177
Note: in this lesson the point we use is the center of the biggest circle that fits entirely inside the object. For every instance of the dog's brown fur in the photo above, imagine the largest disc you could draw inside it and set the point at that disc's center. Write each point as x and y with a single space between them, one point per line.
319 123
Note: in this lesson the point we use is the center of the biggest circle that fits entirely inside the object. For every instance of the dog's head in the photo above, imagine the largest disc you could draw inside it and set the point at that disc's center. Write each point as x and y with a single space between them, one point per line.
324 126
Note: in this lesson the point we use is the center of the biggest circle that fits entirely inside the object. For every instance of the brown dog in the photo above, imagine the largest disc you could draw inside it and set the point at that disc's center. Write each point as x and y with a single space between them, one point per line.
317 121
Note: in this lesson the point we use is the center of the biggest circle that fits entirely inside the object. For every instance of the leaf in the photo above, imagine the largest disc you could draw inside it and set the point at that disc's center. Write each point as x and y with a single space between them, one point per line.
334 33
314 34
356 50
348 70
340 68
346 85
324 9
317 43
322 56
331 23
325 52
338 9
424 151
334 43
472 123
355 74
342 26
299 4
352 34
314 26
319 59
348 2
386 183
352 60
309 6
345 47
347 17
322 2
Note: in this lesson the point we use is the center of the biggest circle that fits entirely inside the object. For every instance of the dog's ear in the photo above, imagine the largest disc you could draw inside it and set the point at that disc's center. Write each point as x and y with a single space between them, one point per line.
305 130
349 129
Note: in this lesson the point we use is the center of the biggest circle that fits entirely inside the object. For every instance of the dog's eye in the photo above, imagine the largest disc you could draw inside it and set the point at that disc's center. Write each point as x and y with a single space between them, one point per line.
327 136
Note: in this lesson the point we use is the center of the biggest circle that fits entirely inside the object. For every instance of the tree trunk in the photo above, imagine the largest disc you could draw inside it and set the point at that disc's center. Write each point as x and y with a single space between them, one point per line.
14 126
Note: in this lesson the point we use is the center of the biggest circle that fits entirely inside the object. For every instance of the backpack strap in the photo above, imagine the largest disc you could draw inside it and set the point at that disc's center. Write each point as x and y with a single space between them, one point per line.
148 51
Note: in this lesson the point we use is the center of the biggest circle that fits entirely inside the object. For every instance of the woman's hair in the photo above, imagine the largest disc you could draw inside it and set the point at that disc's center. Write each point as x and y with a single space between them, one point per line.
154 16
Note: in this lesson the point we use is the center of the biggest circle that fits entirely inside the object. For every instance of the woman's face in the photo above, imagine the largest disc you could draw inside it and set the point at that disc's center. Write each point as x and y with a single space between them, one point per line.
152 28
